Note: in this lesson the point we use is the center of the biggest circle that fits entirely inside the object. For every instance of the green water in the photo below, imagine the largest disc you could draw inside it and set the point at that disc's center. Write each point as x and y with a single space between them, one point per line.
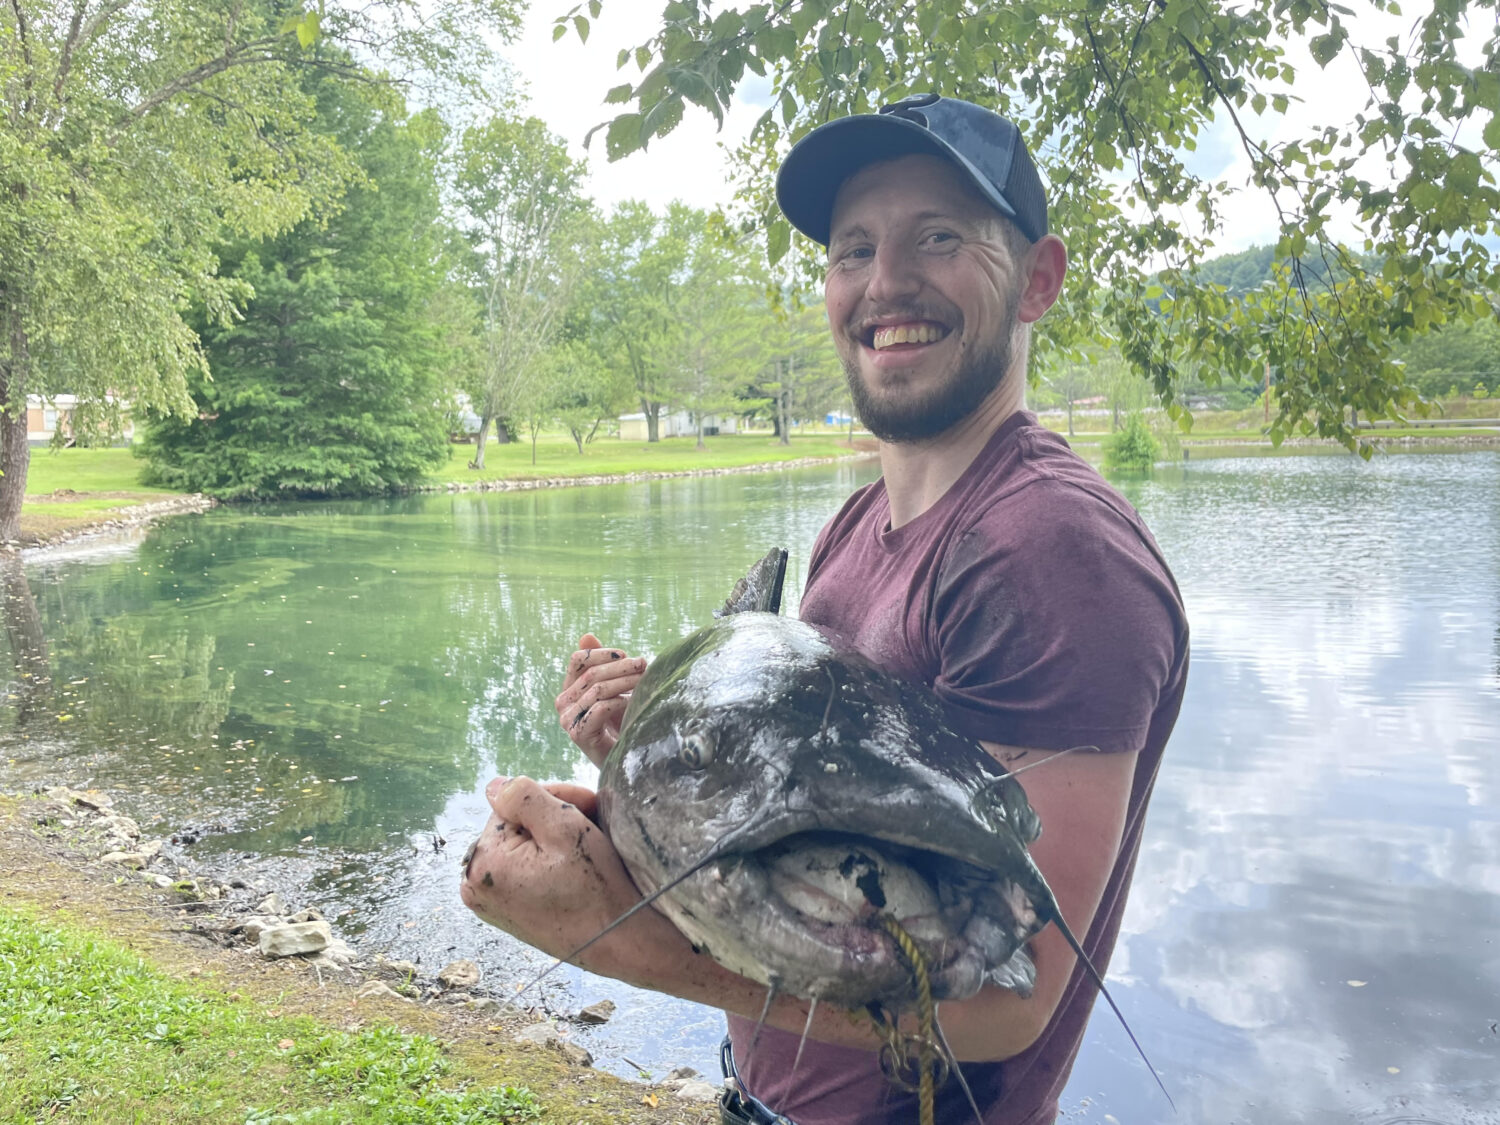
325 689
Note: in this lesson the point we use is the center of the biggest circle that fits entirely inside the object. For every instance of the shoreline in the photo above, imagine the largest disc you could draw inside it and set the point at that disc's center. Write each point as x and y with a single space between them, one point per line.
72 856
118 524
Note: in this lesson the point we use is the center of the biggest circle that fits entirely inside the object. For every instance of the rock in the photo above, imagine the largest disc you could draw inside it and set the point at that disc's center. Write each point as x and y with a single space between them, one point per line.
459 974
597 1013
680 1072
127 859
404 969
311 914
117 825
257 924
546 1035
488 1006
697 1090
378 988
149 848
88 799
160 882
340 952
293 938
272 904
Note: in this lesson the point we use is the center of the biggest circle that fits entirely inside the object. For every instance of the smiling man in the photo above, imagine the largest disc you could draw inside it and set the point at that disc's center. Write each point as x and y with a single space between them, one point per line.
989 561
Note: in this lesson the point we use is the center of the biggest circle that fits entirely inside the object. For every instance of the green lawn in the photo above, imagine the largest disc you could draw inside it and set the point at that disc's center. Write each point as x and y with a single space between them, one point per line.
557 456
85 470
90 1032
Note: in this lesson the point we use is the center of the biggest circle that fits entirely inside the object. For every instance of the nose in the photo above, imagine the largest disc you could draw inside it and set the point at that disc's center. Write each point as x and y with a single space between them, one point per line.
893 274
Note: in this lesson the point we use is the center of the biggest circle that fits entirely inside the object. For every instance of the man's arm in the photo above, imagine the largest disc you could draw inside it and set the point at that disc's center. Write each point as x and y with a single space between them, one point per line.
544 872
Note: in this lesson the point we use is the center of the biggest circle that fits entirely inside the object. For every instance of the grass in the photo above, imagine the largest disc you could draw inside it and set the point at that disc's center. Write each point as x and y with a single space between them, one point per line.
557 456
86 470
90 1032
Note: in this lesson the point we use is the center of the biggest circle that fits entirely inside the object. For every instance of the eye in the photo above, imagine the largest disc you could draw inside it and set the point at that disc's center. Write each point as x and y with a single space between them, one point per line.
697 750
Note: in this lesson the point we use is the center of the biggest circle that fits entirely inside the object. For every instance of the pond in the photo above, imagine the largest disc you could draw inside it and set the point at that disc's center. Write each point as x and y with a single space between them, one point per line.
1314 933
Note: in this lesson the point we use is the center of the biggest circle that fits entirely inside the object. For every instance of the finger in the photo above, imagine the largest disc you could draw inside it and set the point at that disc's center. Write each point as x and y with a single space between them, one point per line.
553 823
581 797
611 670
590 651
573 712
585 724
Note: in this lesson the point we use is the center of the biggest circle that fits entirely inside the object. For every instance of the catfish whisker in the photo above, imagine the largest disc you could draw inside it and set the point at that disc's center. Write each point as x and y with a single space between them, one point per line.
764 1012
1050 758
958 1071
637 908
811 1008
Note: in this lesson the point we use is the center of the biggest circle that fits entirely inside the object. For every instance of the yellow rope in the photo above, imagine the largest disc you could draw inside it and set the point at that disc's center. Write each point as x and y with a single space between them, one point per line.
926 1018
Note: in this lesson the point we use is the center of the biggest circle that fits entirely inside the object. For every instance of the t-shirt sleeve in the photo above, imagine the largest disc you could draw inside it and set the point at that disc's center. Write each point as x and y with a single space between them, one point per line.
1056 624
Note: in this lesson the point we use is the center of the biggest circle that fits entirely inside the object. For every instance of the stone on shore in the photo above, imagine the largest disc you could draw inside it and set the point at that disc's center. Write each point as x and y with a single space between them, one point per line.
126 859
379 989
546 1035
272 904
459 974
294 938
597 1013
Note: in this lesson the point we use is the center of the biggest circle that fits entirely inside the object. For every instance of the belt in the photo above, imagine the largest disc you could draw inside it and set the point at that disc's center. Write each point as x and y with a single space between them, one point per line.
736 1107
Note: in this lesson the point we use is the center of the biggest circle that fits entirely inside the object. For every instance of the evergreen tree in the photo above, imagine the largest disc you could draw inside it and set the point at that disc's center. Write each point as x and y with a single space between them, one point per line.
331 382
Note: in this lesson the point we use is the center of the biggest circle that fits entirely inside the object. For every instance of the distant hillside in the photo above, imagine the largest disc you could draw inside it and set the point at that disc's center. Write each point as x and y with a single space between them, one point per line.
1239 273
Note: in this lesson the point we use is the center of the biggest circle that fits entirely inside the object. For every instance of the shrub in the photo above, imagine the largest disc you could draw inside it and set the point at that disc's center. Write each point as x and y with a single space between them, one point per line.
1133 447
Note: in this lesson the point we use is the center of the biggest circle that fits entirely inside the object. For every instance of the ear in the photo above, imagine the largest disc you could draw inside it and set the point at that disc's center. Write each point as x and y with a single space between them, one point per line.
1046 265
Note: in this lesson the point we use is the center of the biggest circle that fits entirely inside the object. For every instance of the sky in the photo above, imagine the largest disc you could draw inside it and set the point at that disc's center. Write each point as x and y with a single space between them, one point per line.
566 82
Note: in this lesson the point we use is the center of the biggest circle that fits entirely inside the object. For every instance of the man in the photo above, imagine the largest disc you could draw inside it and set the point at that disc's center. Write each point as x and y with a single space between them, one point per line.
989 561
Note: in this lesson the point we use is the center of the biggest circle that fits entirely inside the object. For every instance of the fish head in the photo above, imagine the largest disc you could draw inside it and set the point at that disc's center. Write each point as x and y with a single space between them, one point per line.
791 796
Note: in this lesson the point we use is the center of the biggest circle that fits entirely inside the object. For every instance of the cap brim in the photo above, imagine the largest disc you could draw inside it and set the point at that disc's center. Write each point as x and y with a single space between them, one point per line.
820 162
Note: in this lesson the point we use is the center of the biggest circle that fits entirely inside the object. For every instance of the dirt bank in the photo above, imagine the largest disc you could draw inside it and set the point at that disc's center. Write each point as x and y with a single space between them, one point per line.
60 517
53 863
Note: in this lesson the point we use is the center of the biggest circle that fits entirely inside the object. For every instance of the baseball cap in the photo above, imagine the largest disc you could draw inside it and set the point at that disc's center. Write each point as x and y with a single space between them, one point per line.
985 146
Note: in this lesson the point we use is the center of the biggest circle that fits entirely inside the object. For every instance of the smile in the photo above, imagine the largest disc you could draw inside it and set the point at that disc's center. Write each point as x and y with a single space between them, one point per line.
883 336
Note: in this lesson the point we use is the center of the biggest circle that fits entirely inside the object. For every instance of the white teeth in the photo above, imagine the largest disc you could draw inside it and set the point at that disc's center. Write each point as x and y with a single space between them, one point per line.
905 334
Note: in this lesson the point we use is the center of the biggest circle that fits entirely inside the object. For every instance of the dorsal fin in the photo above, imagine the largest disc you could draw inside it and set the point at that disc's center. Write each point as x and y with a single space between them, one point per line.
760 589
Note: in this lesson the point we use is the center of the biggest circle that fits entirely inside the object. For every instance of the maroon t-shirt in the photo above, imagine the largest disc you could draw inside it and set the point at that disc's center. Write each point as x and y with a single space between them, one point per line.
1035 602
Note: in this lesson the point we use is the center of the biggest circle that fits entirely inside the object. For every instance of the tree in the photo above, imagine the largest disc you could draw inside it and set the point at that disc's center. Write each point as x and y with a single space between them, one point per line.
524 217
138 137
721 323
1112 99
331 381
636 288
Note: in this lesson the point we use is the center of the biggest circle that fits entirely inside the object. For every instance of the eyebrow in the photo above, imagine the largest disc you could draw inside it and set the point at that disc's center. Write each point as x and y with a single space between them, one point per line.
858 231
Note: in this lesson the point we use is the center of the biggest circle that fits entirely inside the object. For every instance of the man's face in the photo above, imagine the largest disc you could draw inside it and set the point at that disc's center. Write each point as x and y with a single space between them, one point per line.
922 296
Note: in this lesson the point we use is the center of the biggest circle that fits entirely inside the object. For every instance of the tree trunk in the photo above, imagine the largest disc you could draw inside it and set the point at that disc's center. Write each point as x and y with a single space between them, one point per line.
534 431
699 417
503 436
653 421
15 451
28 645
786 400
482 440
1070 417
577 438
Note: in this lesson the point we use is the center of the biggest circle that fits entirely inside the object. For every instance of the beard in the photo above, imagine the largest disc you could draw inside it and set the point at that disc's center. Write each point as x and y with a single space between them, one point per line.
898 418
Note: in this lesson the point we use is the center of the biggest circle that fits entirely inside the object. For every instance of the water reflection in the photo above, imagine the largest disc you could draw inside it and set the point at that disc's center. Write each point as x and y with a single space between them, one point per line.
1329 811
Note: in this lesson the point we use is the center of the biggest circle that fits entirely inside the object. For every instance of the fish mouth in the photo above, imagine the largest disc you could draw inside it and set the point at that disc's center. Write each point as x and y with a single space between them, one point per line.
811 910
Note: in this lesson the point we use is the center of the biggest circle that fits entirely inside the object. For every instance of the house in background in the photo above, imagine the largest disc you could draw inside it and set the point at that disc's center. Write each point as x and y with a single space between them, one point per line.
48 415
679 423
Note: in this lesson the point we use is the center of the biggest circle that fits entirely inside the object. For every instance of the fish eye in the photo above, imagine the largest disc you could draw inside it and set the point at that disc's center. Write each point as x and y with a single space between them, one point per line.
697 750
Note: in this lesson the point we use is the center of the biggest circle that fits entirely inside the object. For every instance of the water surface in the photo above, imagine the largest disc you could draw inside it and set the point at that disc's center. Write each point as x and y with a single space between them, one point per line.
1313 930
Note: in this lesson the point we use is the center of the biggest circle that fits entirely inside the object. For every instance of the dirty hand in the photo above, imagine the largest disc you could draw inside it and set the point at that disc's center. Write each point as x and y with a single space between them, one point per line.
596 691
542 869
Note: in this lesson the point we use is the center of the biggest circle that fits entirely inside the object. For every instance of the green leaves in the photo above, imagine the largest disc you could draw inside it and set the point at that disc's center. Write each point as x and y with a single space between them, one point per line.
1113 101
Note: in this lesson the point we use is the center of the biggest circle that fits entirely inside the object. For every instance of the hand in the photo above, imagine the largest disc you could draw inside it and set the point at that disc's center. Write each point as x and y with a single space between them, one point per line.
542 869
596 691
